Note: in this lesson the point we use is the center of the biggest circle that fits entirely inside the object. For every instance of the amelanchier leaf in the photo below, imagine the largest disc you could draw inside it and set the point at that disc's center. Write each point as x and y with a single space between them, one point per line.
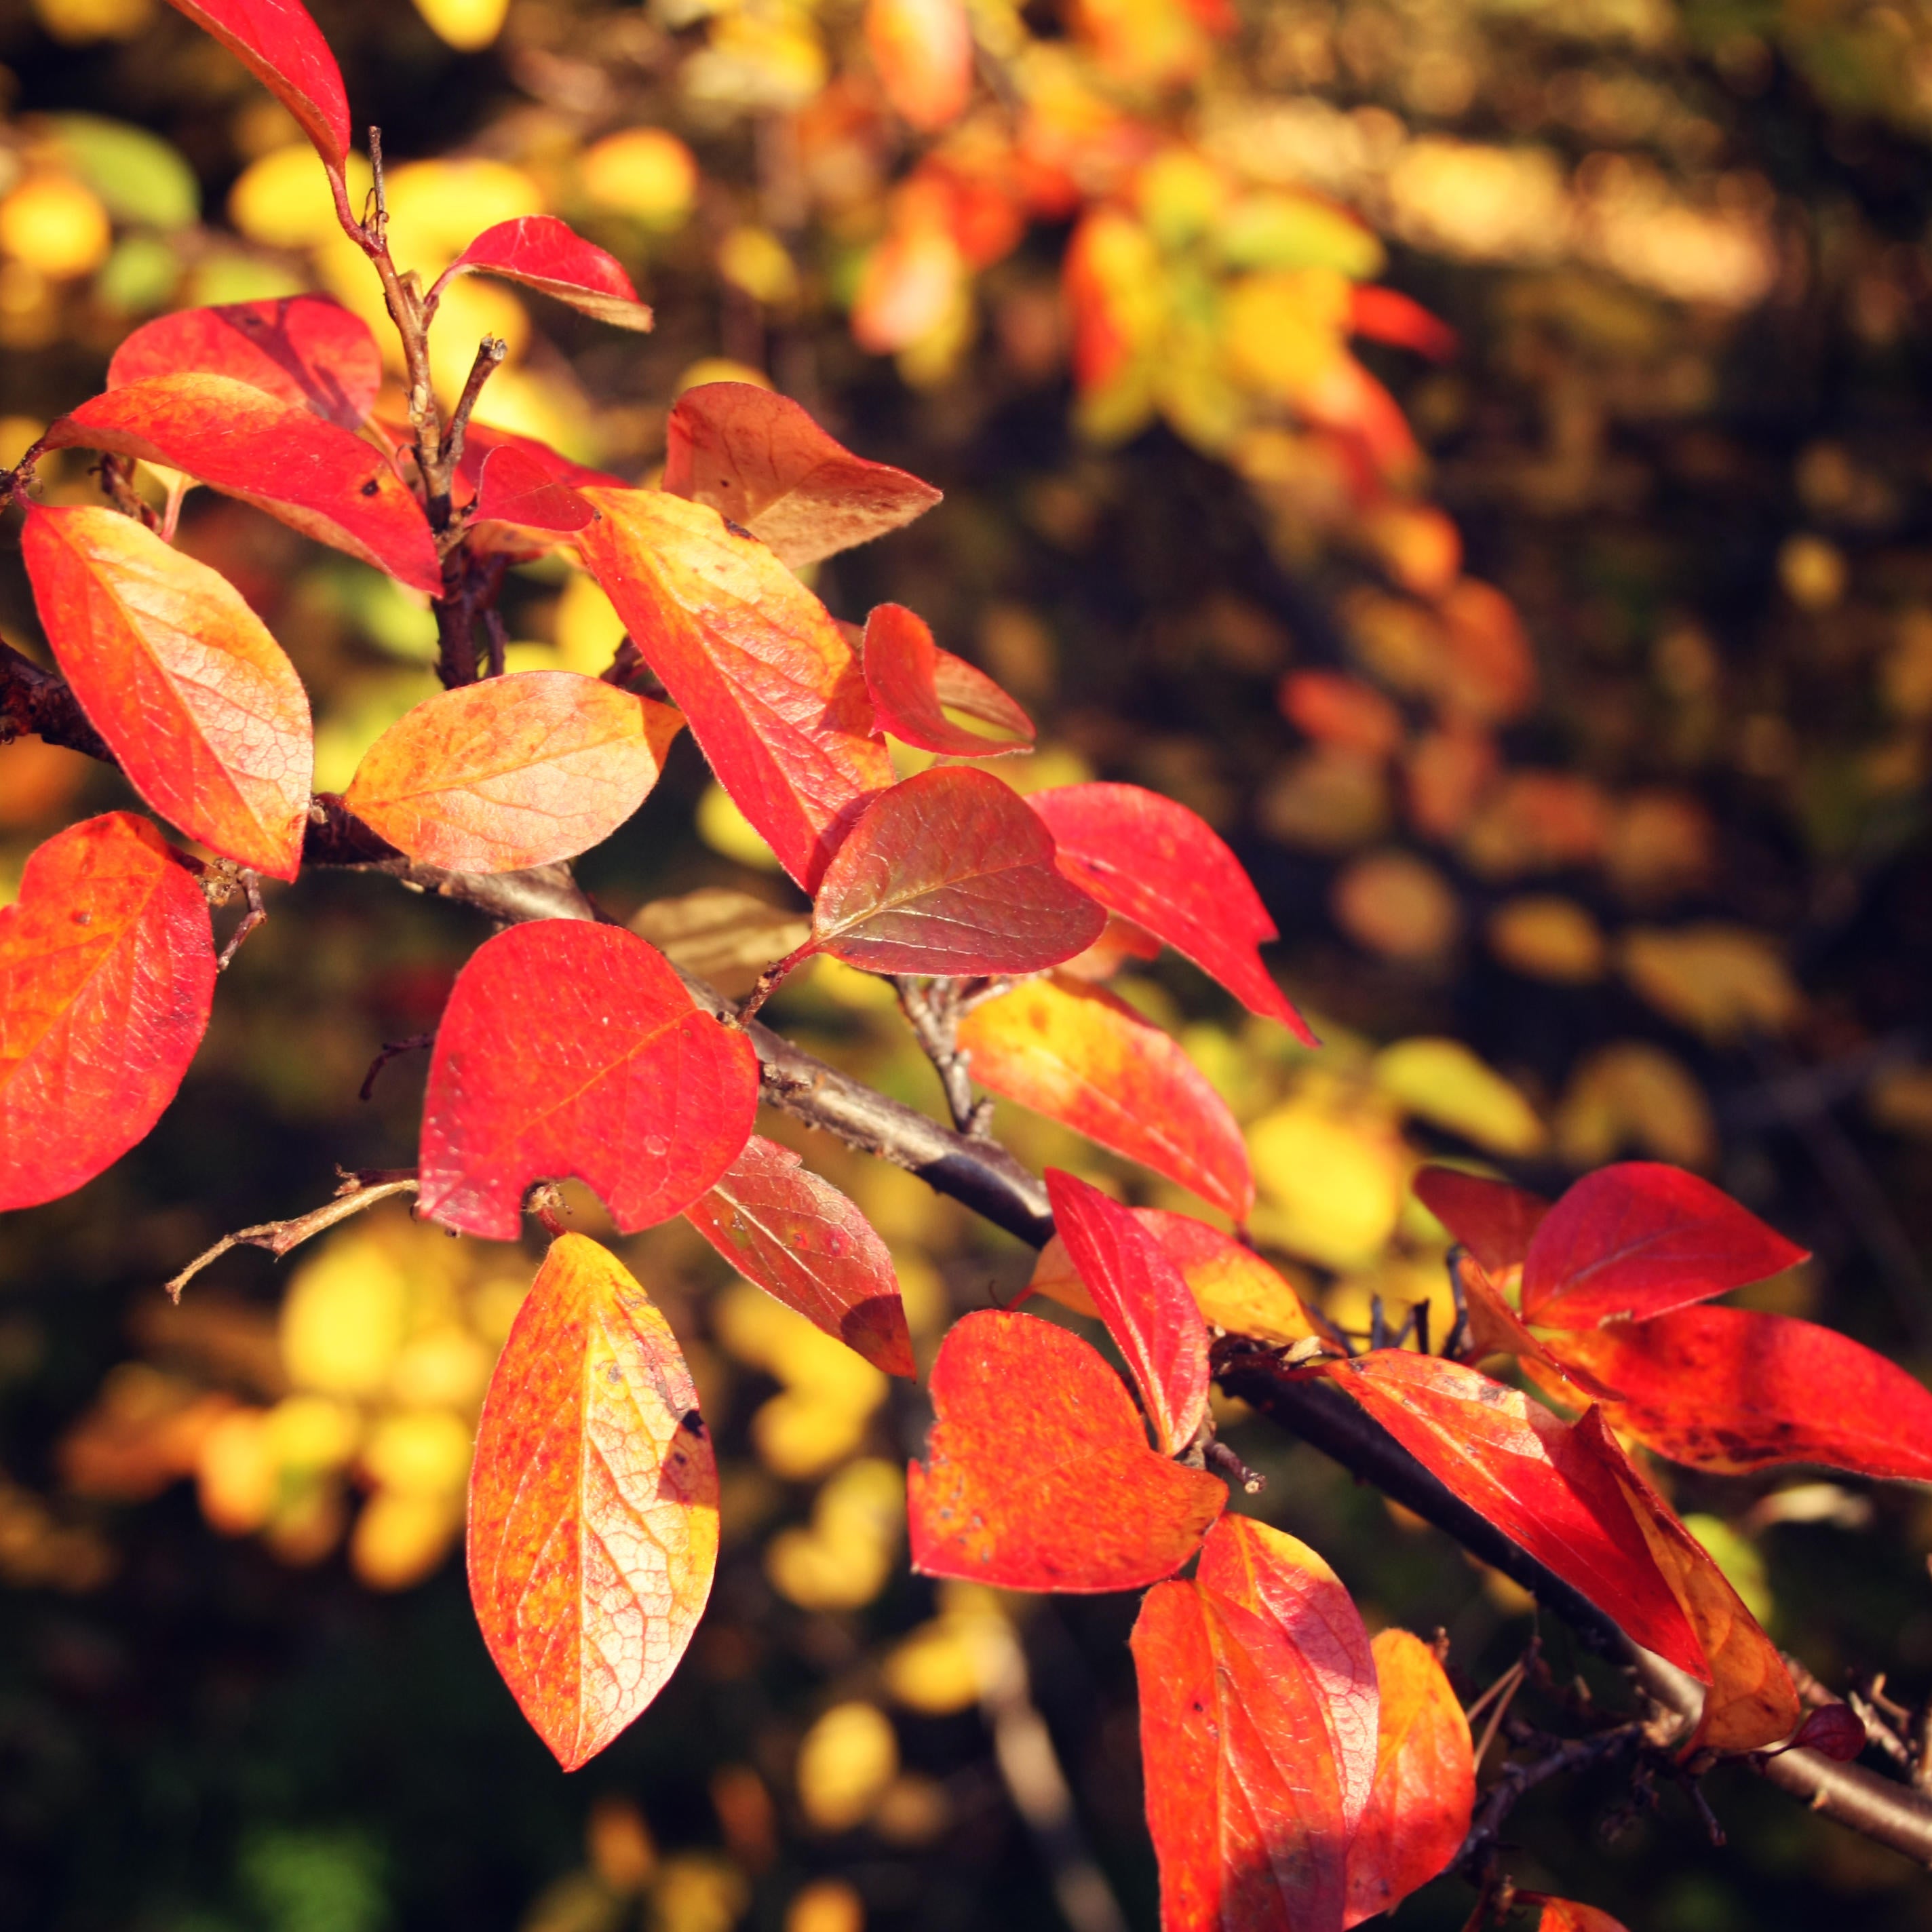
1418 1812
759 459
514 487
1144 1302
1493 1220
546 254
1510 1458
802 1241
1496 1329
106 977
1565 1914
1834 1731
1155 862
314 475
304 350
774 694
513 772
913 684
283 49
1082 1057
593 1503
1639 1239
1038 1475
206 715
570 1048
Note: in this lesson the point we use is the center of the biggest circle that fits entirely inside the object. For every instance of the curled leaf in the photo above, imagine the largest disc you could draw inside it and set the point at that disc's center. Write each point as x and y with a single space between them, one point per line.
913 684
283 49
546 254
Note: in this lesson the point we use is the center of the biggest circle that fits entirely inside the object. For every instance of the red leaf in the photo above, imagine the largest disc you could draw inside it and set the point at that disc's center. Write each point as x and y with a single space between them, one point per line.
593 1503
1834 1731
1082 1057
570 1048
107 976
305 349
1038 1475
1730 1390
1565 1914
182 680
1144 1302
759 459
923 52
514 486
1156 863
1425 1781
803 1242
1513 1461
1386 315
774 694
1496 1329
949 873
1493 1220
314 475
514 772
544 253
283 49
1640 1239
913 684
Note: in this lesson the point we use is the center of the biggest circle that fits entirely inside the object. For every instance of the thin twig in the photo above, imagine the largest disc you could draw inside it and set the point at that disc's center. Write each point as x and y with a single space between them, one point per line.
1516 1780
392 1049
490 354
358 1192
250 883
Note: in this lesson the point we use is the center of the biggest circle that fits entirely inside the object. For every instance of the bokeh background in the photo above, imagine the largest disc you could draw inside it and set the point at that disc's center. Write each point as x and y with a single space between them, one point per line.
1474 451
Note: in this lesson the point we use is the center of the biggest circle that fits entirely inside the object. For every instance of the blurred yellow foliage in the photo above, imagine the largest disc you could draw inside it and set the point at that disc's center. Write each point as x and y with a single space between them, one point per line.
281 200
465 24
1546 937
845 1761
1331 1181
1441 1081
645 172
1721 981
826 1905
845 1557
1632 1096
55 225
1396 903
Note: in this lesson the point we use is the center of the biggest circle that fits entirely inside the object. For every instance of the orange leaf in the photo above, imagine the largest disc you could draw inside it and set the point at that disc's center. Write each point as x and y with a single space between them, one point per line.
1386 315
1038 1475
1496 1329
107 976
283 49
923 52
949 873
1425 1782
544 253
1158 864
1144 1302
1082 1057
1565 1914
182 680
803 1242
759 459
570 1048
913 684
513 772
773 692
593 1503
315 476
1493 1220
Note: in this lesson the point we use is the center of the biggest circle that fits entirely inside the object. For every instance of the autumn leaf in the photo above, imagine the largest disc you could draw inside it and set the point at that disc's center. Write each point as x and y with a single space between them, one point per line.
572 1048
1565 1914
314 475
773 692
913 684
306 350
181 679
1038 1475
1154 862
544 253
1639 1239
283 49
515 487
106 977
922 50
1495 1328
1418 1812
1493 1220
1082 1057
804 1243
512 772
760 460
1144 1302
593 1503
1834 1731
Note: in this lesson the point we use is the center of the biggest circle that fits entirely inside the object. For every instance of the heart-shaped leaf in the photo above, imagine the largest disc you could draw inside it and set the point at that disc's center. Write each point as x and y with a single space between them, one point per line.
1493 1220
181 679
546 254
515 487
106 977
593 1503
913 684
283 49
570 1048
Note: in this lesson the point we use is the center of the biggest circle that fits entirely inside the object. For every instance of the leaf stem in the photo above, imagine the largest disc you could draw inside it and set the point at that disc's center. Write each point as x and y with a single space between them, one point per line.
357 1192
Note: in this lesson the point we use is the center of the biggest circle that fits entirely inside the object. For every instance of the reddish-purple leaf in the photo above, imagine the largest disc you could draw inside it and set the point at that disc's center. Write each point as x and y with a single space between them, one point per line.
1640 1239
514 486
544 253
913 684
570 1048
1155 862
1493 1220
1834 1731
283 49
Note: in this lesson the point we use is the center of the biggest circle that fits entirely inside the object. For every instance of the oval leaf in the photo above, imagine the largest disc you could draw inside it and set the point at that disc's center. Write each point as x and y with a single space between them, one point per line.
305 349
181 679
1493 1220
1639 1239
913 684
544 253
803 1242
1834 1731
106 977
773 693
949 873
1154 862
515 487
314 475
570 1048
759 459
513 772
1038 1475
593 1503
283 49
1082 1057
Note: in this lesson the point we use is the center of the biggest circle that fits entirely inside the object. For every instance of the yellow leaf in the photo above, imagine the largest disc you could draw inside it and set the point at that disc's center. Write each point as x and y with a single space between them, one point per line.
465 24
1721 981
644 172
1631 1096
1331 1182
55 225
1546 937
846 1761
1395 903
1445 1084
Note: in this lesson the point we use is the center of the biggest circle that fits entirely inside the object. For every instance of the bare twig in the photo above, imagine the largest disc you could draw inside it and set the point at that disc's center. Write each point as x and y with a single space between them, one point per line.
490 354
39 704
392 1049
358 1192
933 1009
1518 1778
250 883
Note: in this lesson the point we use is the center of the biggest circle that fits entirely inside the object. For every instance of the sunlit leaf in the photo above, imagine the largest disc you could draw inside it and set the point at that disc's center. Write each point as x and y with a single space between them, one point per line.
1493 1220
515 487
913 684
282 48
544 253
1565 1914
1441 1081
